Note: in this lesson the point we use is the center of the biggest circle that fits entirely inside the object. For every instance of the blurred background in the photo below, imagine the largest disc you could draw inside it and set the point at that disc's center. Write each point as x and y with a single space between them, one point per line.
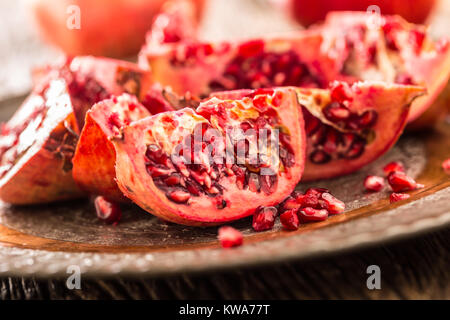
34 32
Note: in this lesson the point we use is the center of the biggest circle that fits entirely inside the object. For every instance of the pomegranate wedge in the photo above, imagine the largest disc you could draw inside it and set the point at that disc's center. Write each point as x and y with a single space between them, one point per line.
36 146
216 164
347 126
389 48
346 133
94 159
349 46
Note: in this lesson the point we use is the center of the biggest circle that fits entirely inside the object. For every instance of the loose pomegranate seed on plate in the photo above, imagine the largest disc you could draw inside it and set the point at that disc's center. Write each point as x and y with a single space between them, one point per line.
399 182
394 197
393 166
309 214
374 183
331 204
264 218
107 211
340 91
230 237
446 165
289 219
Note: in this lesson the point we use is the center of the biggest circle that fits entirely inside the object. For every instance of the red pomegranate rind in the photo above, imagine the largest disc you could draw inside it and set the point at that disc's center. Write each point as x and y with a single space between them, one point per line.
289 220
227 192
394 197
107 211
96 79
393 50
229 237
374 183
377 114
36 146
95 157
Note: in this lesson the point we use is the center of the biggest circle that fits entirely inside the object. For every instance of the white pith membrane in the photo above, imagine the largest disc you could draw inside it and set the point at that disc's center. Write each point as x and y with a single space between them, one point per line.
212 189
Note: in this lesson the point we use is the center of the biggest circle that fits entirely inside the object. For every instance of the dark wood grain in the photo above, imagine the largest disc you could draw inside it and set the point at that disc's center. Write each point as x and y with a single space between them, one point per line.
413 269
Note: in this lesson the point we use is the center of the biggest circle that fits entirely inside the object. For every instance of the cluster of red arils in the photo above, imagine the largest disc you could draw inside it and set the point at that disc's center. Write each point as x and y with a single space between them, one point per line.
397 179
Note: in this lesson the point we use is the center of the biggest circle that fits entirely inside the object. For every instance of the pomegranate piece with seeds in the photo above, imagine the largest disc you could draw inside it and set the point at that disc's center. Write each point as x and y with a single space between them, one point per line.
345 135
107 211
374 183
399 182
289 219
343 48
230 237
36 146
393 166
377 116
394 197
95 79
102 123
39 141
216 164
264 218
394 51
202 67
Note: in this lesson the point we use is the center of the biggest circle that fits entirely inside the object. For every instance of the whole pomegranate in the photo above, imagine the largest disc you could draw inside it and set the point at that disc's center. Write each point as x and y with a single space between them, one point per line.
114 28
307 13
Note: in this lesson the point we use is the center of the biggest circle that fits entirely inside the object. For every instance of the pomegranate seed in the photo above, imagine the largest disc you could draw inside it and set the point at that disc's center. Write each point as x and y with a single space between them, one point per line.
340 91
230 237
260 102
311 197
309 214
403 78
446 165
336 112
179 196
156 172
173 179
442 45
332 204
393 166
290 203
289 220
399 182
107 211
251 48
277 99
114 120
416 38
264 218
394 197
374 183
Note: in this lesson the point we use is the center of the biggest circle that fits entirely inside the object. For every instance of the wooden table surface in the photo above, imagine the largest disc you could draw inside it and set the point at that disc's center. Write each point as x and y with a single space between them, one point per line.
416 268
